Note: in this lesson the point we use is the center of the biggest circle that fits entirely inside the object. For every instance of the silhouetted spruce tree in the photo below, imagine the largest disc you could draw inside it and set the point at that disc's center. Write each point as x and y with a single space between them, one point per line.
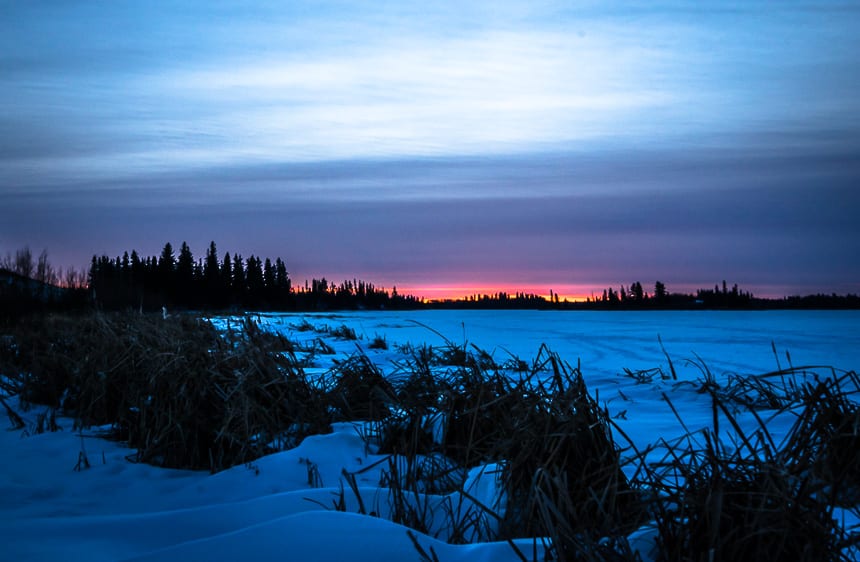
211 270
151 279
659 292
238 284
269 281
637 292
254 281
136 280
166 269
197 285
282 278
226 280
184 284
93 278
212 287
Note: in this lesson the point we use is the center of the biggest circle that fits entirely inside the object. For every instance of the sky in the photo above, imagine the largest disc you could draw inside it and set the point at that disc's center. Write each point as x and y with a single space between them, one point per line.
442 147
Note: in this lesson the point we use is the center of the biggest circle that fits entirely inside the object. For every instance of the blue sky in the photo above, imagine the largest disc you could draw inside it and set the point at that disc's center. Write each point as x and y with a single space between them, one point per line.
561 145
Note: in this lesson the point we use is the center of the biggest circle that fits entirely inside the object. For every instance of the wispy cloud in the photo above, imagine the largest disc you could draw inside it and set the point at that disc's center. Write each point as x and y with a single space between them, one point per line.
126 87
487 93
583 125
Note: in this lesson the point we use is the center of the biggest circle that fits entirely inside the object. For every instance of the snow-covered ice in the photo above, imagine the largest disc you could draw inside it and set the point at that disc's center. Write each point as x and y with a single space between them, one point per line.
279 507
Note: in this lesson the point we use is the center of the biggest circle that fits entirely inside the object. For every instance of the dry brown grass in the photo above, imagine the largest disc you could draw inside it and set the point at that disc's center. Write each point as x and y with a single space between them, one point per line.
175 389
562 470
732 494
184 395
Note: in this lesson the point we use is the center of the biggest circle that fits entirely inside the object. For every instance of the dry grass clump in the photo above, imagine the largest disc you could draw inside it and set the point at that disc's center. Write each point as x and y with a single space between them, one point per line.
747 498
740 496
561 468
770 391
303 326
344 332
378 342
185 395
570 488
35 360
247 331
729 508
358 390
563 473
826 436
175 389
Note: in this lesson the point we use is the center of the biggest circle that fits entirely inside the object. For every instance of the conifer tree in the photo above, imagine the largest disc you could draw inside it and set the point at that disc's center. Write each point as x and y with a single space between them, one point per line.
184 275
226 278
269 275
282 279
238 284
211 271
254 277
659 291
636 292
166 268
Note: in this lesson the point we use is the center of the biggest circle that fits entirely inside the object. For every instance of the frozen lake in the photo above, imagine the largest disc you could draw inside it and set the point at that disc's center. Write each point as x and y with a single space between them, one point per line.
118 510
607 342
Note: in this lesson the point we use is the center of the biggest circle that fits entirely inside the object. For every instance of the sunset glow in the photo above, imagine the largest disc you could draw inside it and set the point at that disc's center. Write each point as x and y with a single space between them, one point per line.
446 148
438 293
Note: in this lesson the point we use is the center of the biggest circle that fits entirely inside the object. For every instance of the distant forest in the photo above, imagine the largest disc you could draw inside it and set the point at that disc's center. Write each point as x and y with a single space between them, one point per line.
234 283
636 297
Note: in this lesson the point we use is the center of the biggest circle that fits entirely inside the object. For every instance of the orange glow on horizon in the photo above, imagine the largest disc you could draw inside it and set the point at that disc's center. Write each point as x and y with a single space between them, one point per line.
572 293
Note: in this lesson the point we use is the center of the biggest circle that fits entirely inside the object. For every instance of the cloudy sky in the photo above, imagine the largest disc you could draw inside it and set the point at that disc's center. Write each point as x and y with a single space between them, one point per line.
442 146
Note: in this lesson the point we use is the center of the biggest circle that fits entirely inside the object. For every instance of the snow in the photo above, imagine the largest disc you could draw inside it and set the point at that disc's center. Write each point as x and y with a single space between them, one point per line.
606 342
118 510
281 506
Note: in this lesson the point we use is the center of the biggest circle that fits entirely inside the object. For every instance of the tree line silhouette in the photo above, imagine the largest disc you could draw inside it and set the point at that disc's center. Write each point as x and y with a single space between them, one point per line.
30 284
497 301
636 297
232 282
633 296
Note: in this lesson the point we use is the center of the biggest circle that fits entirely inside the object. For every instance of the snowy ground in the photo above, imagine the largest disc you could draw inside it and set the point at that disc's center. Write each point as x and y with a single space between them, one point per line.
279 507
607 343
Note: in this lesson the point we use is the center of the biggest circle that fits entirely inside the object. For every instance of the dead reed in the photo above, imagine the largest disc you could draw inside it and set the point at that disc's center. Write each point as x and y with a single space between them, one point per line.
561 468
358 390
185 395
736 494
175 389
